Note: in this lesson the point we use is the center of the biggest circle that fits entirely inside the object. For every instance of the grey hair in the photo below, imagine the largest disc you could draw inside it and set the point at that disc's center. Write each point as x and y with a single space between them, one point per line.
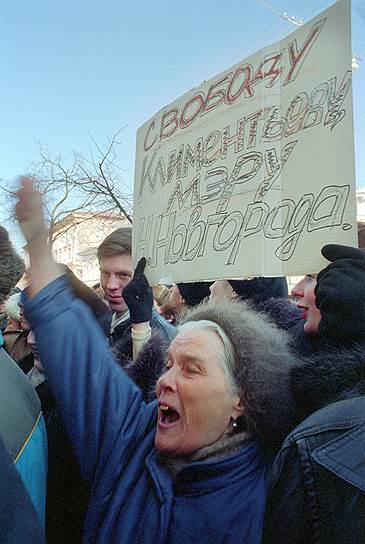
228 362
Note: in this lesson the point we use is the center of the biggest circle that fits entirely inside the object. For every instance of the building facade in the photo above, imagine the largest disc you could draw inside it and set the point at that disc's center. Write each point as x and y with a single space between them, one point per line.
77 237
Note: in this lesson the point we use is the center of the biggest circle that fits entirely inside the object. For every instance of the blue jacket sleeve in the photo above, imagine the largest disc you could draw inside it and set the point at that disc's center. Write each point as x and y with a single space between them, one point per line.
103 410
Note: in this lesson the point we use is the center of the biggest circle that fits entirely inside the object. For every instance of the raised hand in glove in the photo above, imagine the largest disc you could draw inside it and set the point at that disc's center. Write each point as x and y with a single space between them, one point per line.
340 293
138 295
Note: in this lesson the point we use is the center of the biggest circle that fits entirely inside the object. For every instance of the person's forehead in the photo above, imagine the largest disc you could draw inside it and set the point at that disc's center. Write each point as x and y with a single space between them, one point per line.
116 263
196 342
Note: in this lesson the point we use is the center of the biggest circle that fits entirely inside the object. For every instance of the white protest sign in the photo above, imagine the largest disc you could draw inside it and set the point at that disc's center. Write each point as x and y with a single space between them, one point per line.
251 173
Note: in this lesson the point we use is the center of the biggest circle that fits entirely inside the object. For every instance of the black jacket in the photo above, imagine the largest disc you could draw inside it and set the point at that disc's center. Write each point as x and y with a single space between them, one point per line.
67 492
318 480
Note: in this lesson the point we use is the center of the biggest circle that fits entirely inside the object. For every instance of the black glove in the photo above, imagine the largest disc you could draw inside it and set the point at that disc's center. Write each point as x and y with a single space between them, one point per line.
138 295
340 294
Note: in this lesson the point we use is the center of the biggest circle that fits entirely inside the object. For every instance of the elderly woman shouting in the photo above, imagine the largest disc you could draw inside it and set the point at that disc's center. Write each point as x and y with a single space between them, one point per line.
190 466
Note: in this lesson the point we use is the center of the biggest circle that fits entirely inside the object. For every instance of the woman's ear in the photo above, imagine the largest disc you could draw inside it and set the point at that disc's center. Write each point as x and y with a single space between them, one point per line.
238 408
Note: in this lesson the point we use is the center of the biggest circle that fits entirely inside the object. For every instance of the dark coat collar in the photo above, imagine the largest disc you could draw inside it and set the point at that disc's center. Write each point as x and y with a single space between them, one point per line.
343 455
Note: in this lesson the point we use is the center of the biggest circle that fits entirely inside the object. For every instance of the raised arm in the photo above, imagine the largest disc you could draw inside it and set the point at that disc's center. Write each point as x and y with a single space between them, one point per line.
43 269
103 410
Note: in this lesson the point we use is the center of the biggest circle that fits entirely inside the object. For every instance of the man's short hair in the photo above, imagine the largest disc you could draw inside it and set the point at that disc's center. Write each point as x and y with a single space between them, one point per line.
119 242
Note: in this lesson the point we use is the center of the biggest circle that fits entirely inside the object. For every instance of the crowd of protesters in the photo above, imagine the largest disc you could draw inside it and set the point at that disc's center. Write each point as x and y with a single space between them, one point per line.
225 412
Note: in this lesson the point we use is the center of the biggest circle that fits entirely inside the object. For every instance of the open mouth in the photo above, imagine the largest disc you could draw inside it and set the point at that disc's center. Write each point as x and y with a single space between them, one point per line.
168 416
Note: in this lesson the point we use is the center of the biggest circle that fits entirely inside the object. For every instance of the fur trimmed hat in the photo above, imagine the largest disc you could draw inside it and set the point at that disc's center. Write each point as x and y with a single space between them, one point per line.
11 266
263 361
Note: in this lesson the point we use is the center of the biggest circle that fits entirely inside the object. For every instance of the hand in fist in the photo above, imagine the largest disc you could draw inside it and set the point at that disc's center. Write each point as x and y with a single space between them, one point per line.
28 211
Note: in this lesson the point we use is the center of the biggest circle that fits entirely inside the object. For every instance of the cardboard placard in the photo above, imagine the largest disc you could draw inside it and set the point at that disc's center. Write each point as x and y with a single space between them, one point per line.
252 172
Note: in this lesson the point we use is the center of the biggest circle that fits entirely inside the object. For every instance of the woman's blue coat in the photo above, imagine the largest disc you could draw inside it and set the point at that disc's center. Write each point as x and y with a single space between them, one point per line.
134 499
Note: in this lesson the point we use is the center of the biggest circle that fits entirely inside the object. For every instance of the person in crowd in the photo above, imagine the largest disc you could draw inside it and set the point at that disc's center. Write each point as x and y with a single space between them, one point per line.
15 338
161 294
67 492
265 295
98 290
149 354
255 289
18 519
22 430
190 466
335 319
10 273
11 309
22 427
116 271
318 481
27 362
184 296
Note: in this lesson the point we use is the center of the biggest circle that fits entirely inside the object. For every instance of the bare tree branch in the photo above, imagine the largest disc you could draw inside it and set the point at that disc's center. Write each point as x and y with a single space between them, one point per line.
89 184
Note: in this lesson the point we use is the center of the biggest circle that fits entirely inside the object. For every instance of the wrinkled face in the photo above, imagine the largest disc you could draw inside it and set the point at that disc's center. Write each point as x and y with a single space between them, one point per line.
195 404
304 292
115 273
221 290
